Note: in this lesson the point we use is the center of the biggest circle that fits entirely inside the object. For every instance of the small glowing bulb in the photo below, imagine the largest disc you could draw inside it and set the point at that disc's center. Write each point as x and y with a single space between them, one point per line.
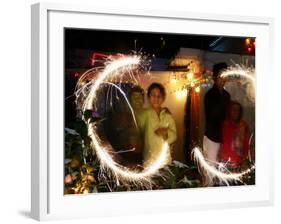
181 93
197 89
85 191
178 94
192 84
248 41
173 81
190 75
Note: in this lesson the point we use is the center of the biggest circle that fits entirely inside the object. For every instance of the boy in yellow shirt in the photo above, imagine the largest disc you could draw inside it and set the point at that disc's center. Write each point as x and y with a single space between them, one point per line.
157 124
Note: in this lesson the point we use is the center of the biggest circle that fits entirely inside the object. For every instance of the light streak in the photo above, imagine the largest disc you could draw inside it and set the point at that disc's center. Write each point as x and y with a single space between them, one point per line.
223 174
109 70
115 69
245 75
240 71
127 101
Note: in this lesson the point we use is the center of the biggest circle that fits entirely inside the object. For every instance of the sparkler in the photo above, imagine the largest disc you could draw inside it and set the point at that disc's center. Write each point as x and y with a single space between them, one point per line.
86 97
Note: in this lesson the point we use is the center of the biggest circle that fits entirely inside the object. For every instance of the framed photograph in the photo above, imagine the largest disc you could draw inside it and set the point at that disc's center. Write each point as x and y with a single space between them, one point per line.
139 111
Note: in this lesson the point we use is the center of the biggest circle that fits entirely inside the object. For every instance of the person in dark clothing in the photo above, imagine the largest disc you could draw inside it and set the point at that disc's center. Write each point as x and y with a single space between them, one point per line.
216 102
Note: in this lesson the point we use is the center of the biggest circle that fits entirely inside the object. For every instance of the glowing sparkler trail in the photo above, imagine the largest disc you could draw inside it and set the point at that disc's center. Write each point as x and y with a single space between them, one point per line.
114 66
247 73
127 101
116 69
123 173
212 172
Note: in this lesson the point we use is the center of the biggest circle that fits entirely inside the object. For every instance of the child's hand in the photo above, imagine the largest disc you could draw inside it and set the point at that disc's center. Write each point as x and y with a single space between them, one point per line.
162 132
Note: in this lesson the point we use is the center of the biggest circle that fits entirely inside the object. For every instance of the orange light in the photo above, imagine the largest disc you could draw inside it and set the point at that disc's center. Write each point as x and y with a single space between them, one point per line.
248 41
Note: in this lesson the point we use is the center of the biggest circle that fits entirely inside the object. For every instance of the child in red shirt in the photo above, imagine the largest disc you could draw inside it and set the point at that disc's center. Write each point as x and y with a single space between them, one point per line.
235 142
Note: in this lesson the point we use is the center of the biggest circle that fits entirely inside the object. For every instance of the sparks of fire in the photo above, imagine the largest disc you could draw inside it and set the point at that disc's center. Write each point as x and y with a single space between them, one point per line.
221 173
86 98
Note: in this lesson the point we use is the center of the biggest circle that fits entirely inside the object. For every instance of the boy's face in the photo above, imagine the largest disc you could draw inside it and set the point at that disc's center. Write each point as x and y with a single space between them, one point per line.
136 100
235 112
156 99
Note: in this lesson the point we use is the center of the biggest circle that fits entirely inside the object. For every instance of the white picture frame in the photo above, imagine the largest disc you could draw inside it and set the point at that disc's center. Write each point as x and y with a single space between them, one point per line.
48 201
